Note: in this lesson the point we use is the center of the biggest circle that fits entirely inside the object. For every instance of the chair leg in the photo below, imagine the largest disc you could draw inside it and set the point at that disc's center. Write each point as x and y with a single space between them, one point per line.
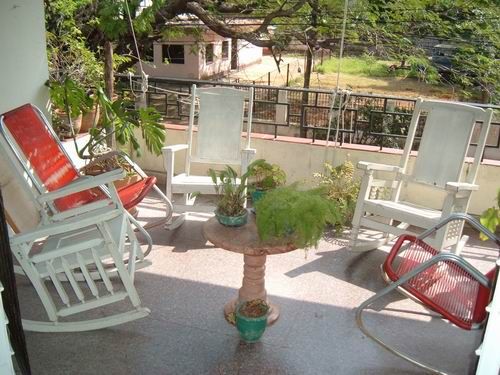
388 289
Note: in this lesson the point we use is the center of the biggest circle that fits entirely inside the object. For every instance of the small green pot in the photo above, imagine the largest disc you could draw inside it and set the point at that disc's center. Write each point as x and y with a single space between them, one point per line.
250 329
232 221
257 194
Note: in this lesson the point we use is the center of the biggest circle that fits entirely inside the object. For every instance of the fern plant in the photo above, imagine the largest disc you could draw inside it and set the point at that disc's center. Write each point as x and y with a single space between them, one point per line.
301 216
231 196
340 186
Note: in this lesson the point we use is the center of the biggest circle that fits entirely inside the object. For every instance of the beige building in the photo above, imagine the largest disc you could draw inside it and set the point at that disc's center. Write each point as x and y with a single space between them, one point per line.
212 56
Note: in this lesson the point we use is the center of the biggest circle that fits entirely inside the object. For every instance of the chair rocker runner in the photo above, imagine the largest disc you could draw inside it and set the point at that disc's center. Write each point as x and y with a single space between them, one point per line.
33 149
442 281
439 165
82 245
220 126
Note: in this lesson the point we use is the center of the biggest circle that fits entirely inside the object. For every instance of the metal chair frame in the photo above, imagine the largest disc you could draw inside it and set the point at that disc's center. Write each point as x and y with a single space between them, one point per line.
443 256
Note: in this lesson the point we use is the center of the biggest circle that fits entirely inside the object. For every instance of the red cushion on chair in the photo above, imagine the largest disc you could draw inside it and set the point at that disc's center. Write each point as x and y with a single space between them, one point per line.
133 194
44 154
444 287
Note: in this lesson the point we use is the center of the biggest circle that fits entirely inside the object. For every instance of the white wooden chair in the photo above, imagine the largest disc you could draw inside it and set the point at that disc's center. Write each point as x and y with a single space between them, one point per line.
220 126
79 250
439 165
66 227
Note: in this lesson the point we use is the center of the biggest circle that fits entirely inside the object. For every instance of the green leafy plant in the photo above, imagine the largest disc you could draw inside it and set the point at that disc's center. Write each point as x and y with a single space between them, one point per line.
70 97
265 176
340 186
121 116
231 195
491 217
300 215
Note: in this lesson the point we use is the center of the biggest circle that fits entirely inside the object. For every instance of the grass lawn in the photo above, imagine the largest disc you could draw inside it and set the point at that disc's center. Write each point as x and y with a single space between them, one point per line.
368 75
361 66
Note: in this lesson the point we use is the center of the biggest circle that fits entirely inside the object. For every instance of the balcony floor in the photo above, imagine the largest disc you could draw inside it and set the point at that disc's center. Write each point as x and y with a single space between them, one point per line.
188 284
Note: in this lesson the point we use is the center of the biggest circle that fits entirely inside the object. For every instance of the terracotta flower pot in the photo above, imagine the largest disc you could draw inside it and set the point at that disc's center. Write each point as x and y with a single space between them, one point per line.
88 119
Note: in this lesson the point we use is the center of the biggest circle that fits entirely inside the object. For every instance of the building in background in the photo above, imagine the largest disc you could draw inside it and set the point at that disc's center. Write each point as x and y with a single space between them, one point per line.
199 55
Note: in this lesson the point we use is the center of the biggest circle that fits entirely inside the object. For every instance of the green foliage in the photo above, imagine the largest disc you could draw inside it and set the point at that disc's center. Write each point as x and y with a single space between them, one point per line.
301 216
121 116
422 69
265 176
491 217
68 54
340 186
68 96
231 196
365 66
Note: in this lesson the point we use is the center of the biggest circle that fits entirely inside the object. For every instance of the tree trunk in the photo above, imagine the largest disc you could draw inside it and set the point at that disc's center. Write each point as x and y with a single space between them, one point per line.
109 85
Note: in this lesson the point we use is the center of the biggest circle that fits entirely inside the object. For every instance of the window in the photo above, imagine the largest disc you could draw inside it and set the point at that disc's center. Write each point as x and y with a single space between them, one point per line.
173 53
225 49
209 53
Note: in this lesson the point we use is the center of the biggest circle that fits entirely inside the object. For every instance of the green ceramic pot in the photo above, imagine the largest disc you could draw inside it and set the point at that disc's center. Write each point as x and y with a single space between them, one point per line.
257 194
250 329
232 221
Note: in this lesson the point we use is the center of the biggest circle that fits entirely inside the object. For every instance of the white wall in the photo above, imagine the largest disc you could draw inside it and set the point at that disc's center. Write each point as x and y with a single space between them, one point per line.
23 58
301 160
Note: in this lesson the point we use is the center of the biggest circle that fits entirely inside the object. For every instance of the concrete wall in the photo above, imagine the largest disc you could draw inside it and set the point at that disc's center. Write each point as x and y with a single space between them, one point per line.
300 159
23 57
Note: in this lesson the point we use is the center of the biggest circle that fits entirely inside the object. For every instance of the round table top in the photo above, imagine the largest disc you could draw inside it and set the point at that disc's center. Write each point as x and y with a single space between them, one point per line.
244 239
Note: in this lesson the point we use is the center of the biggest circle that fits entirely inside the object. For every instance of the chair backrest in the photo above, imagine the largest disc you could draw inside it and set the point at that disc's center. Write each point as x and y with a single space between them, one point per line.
40 154
220 124
445 141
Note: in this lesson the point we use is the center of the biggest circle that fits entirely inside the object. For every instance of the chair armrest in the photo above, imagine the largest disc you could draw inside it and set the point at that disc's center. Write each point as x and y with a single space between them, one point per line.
82 183
249 151
67 225
460 186
367 166
174 148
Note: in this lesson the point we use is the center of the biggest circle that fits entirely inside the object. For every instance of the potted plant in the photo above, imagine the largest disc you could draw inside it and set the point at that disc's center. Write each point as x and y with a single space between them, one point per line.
340 186
490 218
230 209
251 319
69 101
300 216
119 119
263 177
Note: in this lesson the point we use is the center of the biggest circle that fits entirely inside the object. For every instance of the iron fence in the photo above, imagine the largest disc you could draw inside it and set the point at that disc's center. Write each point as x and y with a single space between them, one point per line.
356 118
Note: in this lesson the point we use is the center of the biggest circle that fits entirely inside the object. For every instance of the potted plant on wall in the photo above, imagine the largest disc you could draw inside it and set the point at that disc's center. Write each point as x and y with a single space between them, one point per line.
300 216
69 101
263 177
251 319
124 120
231 196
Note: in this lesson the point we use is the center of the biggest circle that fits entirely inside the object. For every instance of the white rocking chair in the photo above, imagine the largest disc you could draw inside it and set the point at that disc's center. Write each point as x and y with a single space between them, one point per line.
220 125
439 165
70 231
80 249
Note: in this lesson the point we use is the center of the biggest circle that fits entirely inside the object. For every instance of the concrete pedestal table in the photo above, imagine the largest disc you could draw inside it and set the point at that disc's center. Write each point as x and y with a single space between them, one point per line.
245 240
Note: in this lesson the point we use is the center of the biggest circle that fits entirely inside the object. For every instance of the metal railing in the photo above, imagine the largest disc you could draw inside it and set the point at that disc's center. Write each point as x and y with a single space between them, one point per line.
368 119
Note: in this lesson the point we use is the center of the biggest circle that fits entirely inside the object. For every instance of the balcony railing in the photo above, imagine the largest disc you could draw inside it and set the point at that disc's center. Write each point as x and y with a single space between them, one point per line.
364 118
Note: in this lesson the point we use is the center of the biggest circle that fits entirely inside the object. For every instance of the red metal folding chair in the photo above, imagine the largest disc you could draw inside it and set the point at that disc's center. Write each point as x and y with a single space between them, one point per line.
443 282
42 157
